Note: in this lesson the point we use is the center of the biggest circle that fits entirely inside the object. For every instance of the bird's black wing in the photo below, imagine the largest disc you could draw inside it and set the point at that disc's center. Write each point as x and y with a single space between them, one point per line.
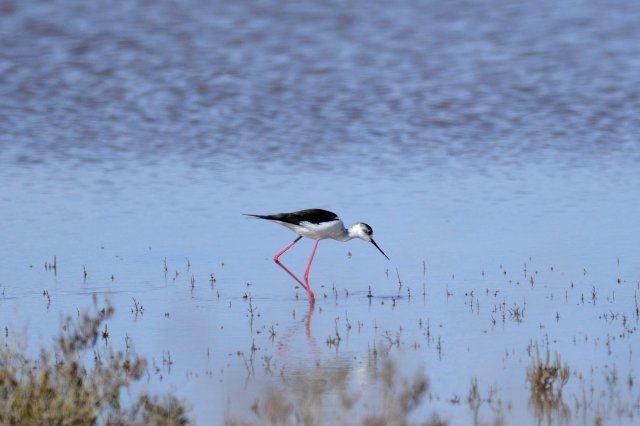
309 215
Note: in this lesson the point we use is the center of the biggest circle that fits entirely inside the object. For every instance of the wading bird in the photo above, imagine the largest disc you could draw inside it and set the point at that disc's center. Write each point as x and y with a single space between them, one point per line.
317 224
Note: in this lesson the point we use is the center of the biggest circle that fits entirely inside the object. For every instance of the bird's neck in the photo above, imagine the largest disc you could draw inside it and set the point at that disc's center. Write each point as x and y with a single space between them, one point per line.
349 234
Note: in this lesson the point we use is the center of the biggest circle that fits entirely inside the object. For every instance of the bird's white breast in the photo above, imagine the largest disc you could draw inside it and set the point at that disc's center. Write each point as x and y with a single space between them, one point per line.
319 231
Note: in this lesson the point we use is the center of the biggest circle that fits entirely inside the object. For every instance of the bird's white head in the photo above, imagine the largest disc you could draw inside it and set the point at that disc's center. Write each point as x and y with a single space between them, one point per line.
364 232
361 230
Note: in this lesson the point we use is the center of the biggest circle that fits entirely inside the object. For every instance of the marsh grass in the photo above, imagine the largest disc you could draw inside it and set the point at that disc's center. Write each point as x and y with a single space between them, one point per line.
61 387
323 396
547 379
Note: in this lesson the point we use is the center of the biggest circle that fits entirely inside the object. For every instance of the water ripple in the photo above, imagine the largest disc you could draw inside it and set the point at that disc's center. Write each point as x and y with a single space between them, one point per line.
421 83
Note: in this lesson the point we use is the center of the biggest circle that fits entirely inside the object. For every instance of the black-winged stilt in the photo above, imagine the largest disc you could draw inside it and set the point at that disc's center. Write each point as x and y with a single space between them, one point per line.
317 224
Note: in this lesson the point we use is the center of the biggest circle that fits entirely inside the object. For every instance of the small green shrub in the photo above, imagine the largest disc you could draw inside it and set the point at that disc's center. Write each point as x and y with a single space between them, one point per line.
58 388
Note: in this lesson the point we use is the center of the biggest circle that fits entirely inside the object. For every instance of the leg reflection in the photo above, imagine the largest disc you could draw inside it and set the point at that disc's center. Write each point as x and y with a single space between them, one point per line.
285 343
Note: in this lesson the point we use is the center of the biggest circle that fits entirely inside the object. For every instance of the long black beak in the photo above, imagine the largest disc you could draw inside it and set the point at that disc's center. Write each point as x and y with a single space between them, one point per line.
374 243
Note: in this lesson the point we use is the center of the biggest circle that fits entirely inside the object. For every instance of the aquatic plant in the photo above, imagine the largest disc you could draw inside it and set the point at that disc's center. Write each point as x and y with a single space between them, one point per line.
61 387
546 377
546 380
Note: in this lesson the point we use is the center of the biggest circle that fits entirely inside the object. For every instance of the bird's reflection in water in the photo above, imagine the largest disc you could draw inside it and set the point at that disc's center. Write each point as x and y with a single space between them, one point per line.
285 343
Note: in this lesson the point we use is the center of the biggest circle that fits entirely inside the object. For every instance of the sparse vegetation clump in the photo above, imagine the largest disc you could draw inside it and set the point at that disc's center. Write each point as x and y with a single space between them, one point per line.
546 377
546 380
62 385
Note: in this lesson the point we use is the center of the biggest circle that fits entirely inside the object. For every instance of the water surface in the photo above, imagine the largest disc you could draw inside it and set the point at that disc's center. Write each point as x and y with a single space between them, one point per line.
486 144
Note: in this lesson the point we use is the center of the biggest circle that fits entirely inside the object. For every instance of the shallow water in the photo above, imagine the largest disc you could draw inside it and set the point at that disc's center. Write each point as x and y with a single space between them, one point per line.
486 145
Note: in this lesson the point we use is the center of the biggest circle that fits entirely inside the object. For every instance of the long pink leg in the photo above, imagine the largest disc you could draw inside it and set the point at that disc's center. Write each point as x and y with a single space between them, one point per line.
277 255
275 259
305 286
306 272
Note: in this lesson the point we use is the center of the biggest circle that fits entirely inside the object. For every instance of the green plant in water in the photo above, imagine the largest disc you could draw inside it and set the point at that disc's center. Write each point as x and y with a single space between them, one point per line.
58 388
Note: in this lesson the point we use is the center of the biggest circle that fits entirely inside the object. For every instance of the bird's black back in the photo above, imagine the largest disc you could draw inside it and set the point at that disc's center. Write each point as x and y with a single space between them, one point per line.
309 215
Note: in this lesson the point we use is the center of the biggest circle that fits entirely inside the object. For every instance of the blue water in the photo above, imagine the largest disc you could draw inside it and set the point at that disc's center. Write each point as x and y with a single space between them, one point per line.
477 139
